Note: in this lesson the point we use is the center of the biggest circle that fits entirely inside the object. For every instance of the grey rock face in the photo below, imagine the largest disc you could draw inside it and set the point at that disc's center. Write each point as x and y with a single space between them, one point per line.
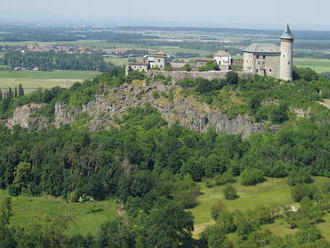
108 107
25 117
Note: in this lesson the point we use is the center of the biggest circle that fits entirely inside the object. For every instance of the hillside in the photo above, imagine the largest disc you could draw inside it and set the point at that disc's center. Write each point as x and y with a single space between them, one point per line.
146 162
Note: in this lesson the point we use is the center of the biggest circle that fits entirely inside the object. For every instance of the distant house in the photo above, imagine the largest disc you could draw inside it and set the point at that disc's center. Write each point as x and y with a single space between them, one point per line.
158 60
223 59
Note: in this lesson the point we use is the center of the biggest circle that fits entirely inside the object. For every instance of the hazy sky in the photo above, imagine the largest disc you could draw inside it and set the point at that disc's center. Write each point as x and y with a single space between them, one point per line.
300 13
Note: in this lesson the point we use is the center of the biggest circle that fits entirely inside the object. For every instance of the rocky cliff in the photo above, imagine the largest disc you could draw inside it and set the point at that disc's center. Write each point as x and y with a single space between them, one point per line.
27 117
106 108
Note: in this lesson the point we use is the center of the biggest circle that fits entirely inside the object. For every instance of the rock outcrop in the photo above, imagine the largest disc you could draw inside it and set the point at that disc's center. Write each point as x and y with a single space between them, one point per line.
106 108
26 117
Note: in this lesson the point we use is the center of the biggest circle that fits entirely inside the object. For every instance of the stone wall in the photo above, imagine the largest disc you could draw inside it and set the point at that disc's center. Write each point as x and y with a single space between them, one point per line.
178 75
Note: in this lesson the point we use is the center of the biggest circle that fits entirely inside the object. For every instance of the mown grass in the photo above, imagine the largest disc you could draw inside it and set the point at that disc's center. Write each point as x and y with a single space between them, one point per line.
319 65
274 191
41 79
49 74
117 61
84 218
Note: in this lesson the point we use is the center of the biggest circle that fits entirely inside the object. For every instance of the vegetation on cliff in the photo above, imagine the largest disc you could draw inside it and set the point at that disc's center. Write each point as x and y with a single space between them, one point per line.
153 170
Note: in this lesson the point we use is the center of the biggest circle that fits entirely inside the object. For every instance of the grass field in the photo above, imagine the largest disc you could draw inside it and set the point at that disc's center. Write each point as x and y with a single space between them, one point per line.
272 191
83 218
319 65
41 79
117 61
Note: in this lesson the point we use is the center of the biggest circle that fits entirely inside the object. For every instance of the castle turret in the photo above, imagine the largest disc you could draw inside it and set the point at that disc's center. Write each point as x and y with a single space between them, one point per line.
286 60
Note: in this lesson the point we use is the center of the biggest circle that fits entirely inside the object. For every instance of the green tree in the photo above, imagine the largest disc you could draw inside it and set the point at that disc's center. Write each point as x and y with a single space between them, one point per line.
186 67
232 78
252 176
230 192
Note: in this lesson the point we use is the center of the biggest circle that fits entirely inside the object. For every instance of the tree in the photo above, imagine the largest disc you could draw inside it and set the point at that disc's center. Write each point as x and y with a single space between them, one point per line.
20 90
214 237
232 78
115 234
252 176
279 114
6 234
299 176
303 190
22 176
167 225
186 67
210 66
230 192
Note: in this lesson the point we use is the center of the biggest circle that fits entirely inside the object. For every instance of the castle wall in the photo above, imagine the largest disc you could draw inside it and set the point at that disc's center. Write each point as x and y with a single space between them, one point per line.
179 75
262 64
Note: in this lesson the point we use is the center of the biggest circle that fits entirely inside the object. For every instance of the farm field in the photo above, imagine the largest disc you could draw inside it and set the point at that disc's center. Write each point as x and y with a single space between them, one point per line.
83 218
34 80
272 191
117 61
319 65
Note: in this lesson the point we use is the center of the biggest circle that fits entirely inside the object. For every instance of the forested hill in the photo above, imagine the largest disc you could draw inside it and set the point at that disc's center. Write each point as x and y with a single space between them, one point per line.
147 157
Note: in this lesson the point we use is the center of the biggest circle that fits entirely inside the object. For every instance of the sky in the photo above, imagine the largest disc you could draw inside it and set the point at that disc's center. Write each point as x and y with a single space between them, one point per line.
239 13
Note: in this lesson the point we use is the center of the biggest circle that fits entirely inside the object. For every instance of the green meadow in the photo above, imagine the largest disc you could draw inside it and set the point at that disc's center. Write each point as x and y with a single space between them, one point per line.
85 218
274 191
42 79
319 65
82 218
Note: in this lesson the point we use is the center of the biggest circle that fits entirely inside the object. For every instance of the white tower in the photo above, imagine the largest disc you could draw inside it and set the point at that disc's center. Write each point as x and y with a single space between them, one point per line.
286 61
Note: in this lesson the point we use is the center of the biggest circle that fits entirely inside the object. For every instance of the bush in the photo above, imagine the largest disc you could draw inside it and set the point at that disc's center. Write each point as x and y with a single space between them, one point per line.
230 192
217 209
232 78
252 176
186 67
303 190
225 178
299 177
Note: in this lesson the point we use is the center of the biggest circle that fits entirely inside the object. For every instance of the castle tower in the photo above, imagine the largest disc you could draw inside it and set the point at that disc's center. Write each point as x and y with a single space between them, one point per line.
286 60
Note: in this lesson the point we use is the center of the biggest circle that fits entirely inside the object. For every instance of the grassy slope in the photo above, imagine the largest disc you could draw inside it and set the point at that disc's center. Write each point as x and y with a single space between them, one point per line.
273 191
39 210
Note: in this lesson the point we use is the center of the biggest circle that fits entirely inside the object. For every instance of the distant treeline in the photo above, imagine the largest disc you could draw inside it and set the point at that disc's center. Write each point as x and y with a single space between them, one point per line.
47 61
48 34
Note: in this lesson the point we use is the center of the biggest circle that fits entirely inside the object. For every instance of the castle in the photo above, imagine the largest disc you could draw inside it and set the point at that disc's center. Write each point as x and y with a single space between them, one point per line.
265 59
268 59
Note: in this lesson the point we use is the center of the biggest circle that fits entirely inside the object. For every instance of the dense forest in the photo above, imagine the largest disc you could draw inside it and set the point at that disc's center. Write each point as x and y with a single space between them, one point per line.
47 61
153 169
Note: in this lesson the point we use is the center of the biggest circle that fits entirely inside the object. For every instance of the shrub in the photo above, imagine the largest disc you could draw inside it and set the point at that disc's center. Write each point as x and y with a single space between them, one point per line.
232 78
217 209
186 67
252 176
225 178
230 192
303 190
299 177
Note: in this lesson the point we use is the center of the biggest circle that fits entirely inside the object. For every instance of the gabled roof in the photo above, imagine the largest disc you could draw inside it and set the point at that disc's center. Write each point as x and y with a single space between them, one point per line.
287 34
160 53
262 48
222 54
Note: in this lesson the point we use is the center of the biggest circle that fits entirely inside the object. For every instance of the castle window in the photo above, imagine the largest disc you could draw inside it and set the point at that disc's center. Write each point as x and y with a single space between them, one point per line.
257 56
264 56
158 60
270 70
